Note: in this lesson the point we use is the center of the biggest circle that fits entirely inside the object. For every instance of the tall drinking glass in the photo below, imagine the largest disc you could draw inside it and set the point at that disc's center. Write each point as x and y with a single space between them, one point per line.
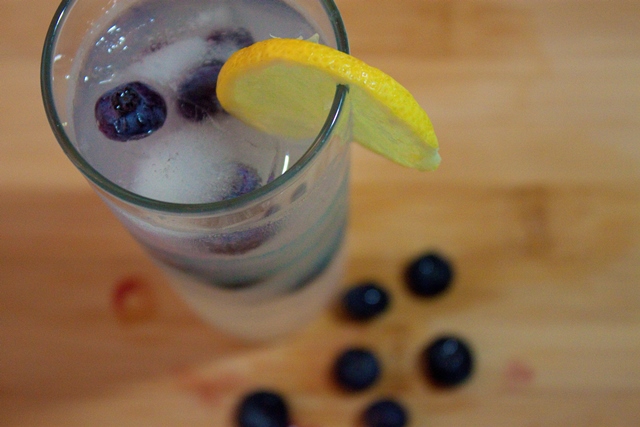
249 227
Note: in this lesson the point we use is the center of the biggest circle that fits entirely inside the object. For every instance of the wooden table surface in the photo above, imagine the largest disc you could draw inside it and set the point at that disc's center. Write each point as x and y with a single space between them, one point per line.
537 204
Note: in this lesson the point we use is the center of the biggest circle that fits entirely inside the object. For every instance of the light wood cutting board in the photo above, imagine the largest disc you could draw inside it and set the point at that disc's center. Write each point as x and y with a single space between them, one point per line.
537 204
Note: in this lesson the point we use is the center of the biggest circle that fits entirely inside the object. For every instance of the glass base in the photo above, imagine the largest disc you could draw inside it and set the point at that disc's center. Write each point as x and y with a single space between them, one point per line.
253 314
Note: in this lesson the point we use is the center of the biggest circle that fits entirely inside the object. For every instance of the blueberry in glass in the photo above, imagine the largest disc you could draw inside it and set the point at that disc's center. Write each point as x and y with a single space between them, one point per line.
130 111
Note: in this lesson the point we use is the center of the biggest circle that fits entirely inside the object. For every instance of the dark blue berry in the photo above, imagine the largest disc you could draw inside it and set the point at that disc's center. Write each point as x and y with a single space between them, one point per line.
365 301
263 409
356 369
429 275
448 361
385 413
237 37
245 179
197 97
130 111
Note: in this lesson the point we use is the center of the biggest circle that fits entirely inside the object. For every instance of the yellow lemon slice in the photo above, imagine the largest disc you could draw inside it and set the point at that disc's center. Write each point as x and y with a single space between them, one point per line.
286 87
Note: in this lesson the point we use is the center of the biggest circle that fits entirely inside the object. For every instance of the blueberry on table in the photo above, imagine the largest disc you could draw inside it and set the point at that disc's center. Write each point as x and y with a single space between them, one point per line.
385 413
238 37
365 301
197 98
263 409
428 275
448 361
356 369
130 111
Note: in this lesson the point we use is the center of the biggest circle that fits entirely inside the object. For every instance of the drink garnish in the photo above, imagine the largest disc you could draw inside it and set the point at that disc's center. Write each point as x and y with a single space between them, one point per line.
285 87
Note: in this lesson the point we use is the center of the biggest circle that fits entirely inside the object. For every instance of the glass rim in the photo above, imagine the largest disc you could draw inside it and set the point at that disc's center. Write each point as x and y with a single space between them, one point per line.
121 193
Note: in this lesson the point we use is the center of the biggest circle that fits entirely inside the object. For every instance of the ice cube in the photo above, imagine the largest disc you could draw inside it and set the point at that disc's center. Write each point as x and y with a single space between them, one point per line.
218 16
185 166
167 64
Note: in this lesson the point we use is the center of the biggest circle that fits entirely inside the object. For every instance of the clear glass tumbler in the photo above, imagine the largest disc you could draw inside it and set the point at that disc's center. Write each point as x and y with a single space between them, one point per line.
258 265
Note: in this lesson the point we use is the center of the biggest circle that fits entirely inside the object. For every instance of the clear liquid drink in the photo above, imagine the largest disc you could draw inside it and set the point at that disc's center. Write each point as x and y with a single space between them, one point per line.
248 226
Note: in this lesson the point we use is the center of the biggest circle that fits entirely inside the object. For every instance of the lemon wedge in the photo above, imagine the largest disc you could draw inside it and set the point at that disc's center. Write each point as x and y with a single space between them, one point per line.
286 87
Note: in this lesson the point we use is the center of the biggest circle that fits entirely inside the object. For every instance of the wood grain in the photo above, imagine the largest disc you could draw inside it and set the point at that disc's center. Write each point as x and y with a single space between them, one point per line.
537 204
